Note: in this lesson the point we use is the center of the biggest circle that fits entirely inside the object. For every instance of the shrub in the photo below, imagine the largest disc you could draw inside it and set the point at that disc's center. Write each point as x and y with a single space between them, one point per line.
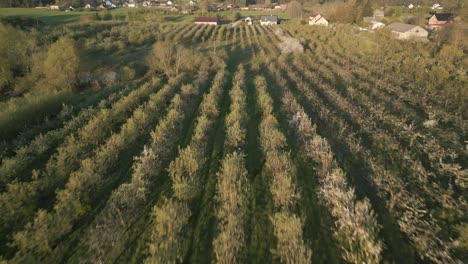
127 73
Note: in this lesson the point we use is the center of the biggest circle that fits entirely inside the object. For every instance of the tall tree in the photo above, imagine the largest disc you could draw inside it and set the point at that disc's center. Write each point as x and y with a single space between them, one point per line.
294 10
61 65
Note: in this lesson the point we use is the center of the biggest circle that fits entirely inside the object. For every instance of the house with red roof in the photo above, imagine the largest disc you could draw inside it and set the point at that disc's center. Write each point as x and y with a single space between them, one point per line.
317 19
439 20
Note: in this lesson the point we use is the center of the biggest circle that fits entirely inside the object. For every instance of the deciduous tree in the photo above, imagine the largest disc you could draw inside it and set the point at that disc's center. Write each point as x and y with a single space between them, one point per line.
61 65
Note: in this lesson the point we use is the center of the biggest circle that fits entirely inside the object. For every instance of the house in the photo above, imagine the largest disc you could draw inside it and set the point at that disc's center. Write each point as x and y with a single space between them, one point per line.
317 19
376 25
109 4
206 21
378 14
88 6
131 4
437 6
268 20
146 4
410 6
169 3
192 3
281 7
407 31
54 7
437 21
249 20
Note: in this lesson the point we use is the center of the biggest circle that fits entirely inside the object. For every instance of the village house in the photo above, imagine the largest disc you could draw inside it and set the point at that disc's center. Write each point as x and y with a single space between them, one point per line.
437 7
132 4
407 31
437 21
109 4
317 19
376 25
54 7
268 20
206 21
249 20
281 7
378 14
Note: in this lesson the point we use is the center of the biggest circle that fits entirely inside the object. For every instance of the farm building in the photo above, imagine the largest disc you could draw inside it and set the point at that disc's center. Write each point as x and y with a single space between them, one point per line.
378 14
268 20
281 7
317 19
206 21
376 25
249 20
437 21
407 31
437 6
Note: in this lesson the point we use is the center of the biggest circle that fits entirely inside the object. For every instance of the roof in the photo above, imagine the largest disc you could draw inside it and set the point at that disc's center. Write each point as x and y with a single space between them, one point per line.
206 19
269 18
443 16
400 27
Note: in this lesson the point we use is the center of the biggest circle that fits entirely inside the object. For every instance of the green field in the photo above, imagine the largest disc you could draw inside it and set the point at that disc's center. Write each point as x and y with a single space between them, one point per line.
55 17
49 17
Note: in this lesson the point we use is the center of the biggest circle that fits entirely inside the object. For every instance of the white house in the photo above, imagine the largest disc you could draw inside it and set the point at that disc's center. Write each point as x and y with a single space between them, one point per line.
110 4
376 25
437 6
170 3
132 4
248 20
54 7
317 19
407 31
268 20
410 6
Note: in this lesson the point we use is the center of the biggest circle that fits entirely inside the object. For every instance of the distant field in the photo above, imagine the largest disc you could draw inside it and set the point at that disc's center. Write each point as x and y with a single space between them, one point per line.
50 17
54 18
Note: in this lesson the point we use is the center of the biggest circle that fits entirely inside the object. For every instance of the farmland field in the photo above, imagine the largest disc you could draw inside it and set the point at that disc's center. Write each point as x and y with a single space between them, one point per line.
285 143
